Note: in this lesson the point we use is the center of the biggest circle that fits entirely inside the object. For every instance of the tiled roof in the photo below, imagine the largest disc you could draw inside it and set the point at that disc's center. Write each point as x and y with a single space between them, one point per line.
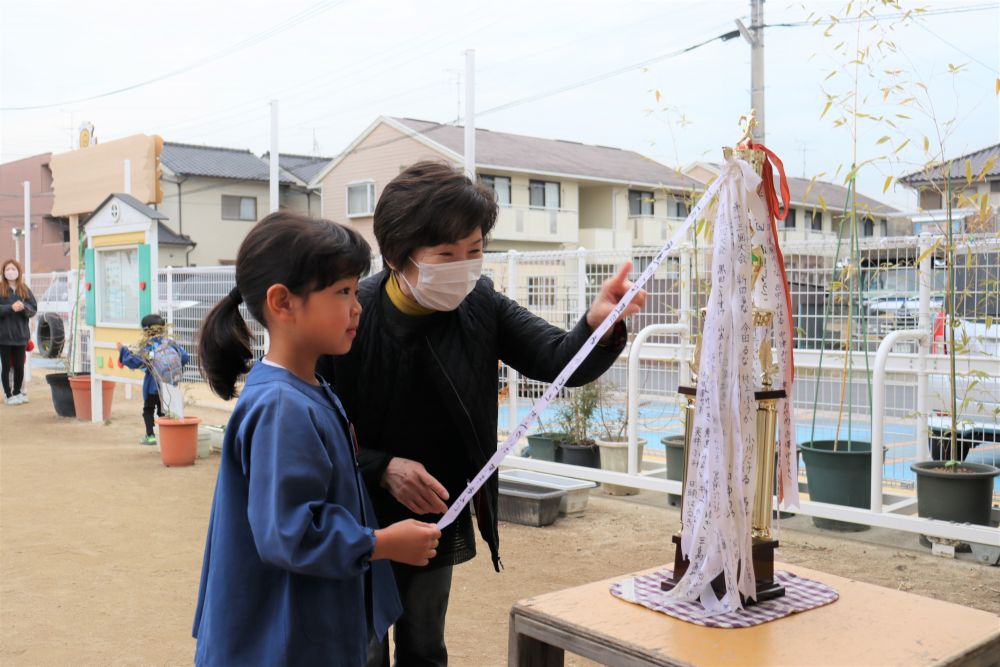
553 156
168 236
303 167
937 173
216 162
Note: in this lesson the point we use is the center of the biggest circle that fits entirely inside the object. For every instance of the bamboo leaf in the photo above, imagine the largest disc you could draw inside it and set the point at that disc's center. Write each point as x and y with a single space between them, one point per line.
929 251
968 172
927 145
998 86
986 167
901 146
826 108
888 182
657 96
882 139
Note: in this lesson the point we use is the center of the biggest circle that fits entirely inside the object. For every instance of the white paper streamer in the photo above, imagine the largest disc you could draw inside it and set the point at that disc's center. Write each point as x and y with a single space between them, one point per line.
491 466
718 498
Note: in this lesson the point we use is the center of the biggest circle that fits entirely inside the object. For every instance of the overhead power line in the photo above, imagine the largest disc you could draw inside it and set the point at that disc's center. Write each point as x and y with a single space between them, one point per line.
296 19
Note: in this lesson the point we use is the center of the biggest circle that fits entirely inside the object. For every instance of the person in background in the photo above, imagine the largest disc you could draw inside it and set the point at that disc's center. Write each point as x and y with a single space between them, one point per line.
17 306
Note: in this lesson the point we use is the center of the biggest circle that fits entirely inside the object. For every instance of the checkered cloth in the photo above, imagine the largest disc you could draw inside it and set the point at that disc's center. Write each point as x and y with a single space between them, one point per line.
800 595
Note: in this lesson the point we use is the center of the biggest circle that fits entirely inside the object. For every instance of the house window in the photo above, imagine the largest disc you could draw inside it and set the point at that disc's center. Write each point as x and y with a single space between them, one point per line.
995 186
543 194
500 185
790 219
816 224
640 202
360 199
883 227
239 208
541 292
681 209
869 227
930 200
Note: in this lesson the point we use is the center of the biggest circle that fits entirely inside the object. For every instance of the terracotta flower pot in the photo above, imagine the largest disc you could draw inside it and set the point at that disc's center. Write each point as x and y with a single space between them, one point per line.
178 440
80 385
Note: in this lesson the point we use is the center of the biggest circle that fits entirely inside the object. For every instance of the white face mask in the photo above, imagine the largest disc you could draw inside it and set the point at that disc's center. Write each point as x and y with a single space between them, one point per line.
11 274
444 286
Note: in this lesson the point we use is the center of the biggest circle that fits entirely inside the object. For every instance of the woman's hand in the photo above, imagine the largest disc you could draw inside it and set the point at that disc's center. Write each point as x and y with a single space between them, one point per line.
410 483
611 293
17 306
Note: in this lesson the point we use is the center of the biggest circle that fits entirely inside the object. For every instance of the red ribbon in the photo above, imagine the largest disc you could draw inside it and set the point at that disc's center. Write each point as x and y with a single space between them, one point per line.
778 212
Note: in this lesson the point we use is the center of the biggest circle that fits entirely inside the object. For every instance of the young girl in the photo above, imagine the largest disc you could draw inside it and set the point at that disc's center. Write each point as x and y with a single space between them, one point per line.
17 306
296 570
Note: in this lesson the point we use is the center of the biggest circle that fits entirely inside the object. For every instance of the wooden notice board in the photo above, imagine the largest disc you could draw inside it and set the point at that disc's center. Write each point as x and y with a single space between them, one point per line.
868 625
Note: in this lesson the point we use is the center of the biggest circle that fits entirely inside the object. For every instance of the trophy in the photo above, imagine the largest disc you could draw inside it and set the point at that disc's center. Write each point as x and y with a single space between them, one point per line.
766 423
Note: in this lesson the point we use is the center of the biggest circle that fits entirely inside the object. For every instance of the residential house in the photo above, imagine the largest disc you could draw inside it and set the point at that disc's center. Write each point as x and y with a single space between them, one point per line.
933 182
214 195
553 194
818 208
49 235
50 244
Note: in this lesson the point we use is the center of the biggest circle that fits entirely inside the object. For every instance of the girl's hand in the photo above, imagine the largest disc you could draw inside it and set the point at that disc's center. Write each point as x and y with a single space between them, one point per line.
611 293
410 483
412 542
17 306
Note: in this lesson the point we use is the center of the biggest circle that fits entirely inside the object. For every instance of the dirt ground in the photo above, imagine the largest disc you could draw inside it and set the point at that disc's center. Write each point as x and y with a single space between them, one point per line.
101 548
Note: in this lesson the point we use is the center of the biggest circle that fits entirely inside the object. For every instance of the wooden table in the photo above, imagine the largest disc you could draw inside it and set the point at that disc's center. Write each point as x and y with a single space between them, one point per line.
868 625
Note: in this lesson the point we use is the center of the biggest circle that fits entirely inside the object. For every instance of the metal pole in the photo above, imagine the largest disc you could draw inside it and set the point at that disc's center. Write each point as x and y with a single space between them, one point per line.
512 375
923 324
27 261
275 158
470 114
27 232
684 370
757 66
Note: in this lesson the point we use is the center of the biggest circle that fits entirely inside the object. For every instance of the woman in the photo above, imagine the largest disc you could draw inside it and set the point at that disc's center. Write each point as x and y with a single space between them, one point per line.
17 306
420 383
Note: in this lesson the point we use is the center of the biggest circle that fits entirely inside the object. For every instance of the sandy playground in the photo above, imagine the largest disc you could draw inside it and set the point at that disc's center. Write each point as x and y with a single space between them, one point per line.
101 547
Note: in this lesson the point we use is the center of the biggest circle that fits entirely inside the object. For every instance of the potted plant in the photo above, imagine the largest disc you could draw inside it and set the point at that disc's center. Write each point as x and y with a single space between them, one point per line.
575 415
955 489
612 436
544 443
178 434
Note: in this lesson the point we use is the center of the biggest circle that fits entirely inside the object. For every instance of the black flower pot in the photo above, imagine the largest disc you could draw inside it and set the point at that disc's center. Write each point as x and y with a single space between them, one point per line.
963 495
62 394
588 456
543 446
839 477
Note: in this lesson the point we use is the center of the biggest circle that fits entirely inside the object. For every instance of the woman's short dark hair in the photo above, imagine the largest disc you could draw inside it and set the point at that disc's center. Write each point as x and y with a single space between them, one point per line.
303 254
430 203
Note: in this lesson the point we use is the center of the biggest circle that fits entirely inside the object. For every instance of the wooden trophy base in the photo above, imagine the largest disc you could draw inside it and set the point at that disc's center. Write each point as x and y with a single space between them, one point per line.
763 570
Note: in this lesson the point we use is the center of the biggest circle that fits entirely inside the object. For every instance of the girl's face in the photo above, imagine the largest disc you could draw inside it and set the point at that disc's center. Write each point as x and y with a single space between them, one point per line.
329 317
471 247
10 272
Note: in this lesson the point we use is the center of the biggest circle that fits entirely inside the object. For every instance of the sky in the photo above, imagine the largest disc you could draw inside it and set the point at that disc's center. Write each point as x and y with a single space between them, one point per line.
204 71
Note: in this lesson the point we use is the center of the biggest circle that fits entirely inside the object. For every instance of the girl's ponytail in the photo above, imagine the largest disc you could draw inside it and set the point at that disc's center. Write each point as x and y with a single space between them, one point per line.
224 352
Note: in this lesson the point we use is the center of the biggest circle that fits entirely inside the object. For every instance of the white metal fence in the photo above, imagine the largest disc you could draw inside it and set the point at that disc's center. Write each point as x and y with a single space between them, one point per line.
841 315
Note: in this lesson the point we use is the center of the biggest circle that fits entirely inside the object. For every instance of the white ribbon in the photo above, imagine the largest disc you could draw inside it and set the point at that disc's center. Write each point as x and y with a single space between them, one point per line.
718 497
504 450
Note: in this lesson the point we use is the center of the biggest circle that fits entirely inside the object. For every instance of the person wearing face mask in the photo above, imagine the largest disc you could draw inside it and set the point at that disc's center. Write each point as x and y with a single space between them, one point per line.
420 383
17 306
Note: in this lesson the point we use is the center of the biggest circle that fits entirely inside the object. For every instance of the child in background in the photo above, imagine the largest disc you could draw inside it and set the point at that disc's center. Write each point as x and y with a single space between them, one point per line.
163 359
17 306
296 570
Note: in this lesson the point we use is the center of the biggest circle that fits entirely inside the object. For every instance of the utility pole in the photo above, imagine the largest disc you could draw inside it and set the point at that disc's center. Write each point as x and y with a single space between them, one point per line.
754 36
275 157
470 114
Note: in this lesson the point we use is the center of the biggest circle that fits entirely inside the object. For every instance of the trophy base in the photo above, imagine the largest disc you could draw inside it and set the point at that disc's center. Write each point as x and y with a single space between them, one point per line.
763 570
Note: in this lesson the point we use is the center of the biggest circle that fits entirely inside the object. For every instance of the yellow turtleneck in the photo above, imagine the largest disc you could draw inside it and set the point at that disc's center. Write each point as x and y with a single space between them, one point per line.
403 303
